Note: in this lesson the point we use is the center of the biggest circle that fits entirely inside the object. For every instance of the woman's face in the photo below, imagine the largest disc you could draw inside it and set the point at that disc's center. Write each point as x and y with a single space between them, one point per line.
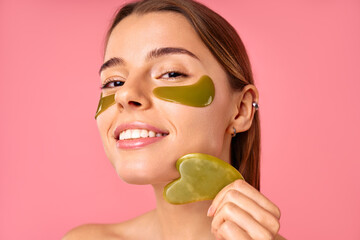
179 129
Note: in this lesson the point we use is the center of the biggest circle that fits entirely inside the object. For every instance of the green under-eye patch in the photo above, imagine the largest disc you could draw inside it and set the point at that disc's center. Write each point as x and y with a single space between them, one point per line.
202 176
200 94
105 103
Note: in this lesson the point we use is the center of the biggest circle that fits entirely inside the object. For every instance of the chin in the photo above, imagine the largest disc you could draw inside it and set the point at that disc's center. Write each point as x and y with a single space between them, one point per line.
140 173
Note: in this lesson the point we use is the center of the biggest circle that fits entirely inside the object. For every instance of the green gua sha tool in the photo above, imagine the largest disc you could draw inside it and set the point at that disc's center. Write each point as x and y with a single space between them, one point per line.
202 176
104 103
200 94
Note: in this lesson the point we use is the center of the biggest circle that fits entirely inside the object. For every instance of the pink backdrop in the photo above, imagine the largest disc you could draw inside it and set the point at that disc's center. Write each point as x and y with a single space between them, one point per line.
54 174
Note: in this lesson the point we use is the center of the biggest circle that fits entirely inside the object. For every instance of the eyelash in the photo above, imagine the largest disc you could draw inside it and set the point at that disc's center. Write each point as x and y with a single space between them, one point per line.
104 85
176 72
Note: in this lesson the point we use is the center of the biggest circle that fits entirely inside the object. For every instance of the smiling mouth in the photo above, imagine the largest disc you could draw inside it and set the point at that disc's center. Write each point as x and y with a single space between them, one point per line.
132 134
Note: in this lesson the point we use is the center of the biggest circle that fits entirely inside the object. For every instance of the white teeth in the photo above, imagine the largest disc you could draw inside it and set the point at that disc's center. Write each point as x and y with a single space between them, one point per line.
151 134
144 133
138 133
135 133
127 134
122 136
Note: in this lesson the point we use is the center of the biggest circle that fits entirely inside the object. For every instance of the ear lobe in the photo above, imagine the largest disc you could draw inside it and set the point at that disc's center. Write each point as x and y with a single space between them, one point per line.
245 111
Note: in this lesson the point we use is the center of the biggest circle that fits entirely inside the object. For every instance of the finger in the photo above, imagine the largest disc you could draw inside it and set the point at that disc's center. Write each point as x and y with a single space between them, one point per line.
230 231
244 221
250 192
261 215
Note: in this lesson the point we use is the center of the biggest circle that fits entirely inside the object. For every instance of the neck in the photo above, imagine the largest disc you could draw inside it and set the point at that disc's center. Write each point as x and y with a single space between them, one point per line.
186 221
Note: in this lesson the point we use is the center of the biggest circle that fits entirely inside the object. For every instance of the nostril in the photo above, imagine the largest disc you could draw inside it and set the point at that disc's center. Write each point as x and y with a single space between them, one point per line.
136 104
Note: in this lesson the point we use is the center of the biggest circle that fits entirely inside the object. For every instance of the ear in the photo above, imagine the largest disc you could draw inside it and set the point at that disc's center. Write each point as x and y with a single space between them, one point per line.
244 111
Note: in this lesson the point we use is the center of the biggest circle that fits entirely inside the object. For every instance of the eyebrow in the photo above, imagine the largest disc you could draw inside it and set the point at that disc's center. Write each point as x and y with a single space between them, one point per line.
158 52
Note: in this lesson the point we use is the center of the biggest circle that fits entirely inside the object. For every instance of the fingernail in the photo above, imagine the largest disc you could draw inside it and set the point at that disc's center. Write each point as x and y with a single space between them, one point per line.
209 212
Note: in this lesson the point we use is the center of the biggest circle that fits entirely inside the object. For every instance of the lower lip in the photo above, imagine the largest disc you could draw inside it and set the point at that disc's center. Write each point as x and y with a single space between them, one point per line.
136 143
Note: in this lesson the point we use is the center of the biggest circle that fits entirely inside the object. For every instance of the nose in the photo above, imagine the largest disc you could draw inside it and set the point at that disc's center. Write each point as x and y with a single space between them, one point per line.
133 95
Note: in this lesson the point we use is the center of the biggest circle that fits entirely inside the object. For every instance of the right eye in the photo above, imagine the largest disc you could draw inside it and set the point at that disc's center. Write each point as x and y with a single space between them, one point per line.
112 84
173 75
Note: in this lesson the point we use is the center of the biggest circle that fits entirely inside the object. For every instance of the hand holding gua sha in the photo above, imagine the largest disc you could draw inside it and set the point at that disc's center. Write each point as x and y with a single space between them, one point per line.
202 176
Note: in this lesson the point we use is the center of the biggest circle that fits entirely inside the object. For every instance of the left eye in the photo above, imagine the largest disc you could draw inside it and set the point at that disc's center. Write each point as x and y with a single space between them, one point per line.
173 75
112 84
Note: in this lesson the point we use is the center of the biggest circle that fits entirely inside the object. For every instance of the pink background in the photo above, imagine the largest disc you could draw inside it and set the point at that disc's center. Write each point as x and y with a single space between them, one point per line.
53 171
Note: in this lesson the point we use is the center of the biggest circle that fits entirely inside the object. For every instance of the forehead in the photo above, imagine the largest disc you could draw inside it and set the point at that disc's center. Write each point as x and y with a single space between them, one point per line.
138 34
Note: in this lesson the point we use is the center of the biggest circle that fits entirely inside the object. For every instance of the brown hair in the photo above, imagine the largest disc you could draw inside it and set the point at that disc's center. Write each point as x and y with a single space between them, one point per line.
226 46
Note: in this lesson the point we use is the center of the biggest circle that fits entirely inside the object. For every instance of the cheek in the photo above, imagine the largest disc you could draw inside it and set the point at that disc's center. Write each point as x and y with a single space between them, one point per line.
104 122
200 129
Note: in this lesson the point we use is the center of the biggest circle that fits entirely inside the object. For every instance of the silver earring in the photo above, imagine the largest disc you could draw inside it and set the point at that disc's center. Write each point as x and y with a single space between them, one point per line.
234 133
255 105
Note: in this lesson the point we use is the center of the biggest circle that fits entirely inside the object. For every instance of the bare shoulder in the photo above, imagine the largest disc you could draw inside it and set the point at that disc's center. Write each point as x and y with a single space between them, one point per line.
124 230
92 231
279 237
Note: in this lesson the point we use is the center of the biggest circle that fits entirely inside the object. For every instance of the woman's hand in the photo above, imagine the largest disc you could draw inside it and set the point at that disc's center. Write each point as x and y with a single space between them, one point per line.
242 212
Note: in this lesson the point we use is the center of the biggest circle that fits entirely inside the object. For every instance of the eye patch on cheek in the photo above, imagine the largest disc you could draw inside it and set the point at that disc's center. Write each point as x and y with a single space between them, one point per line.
200 94
104 103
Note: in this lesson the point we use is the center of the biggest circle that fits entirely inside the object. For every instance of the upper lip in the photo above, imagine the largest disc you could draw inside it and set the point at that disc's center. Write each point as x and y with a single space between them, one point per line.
136 125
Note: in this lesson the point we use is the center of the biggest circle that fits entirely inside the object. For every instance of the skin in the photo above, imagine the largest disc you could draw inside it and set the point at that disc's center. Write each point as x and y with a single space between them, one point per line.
239 211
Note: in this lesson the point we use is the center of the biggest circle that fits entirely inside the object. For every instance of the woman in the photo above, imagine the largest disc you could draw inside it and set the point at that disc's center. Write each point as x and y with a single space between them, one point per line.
159 43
